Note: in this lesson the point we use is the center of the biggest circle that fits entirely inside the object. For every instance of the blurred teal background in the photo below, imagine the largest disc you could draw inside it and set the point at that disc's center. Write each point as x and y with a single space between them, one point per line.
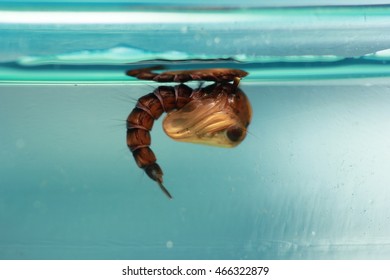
310 181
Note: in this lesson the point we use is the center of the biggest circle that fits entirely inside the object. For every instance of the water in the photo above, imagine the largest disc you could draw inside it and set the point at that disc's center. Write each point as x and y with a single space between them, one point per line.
310 181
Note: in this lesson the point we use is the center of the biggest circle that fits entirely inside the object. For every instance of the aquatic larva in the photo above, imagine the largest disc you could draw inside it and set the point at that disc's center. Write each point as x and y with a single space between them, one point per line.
218 114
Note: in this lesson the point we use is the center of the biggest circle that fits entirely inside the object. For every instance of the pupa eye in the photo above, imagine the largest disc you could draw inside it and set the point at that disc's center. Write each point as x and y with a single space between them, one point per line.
234 133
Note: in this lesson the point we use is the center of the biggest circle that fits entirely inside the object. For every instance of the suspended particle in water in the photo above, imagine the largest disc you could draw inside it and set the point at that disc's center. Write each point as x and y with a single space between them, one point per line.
20 144
169 244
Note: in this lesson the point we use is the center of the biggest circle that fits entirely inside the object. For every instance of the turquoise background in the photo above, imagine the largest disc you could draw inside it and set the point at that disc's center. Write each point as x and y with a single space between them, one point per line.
310 181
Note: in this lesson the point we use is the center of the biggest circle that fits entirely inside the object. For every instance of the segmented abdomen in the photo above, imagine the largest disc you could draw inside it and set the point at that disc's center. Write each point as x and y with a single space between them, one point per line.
140 122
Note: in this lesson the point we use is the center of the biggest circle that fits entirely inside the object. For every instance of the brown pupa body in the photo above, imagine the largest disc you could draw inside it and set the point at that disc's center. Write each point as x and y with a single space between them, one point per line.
166 99
140 122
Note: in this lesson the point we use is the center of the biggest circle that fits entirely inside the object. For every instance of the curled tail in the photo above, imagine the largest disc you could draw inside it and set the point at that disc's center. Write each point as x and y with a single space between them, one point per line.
140 122
138 141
